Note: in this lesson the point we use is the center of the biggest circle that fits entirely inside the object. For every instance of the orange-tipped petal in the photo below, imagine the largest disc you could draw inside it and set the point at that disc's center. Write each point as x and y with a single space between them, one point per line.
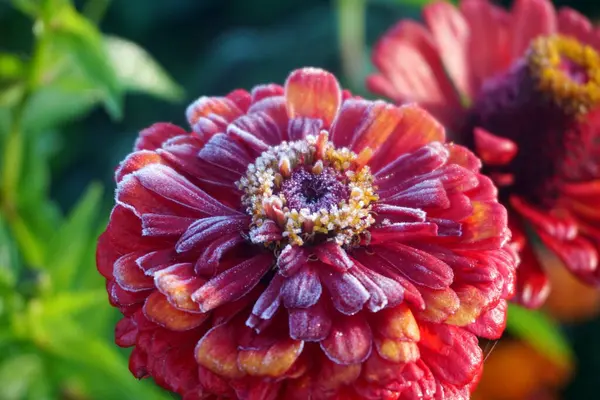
313 93
158 309
273 361
217 351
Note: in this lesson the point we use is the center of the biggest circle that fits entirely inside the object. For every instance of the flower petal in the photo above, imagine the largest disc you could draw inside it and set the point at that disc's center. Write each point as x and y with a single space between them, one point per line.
302 290
309 324
217 351
155 135
158 309
490 324
349 341
451 34
129 275
347 293
530 19
273 361
233 283
177 283
313 93
452 354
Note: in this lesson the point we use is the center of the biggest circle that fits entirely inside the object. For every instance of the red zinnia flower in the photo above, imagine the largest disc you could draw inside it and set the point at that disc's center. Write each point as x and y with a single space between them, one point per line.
520 87
300 243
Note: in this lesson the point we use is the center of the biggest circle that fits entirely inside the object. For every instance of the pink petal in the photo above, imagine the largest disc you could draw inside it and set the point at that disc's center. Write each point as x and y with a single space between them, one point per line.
154 136
309 324
572 23
269 231
233 283
418 266
263 91
403 231
301 127
411 63
494 150
490 324
208 263
488 46
423 160
207 106
129 275
349 340
452 353
332 254
416 128
206 230
275 109
302 290
313 93
241 98
169 185
164 225
530 19
224 153
291 259
347 293
268 302
383 291
451 34
533 285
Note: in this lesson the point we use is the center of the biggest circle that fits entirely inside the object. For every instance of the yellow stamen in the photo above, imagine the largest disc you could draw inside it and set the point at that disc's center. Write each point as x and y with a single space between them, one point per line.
545 58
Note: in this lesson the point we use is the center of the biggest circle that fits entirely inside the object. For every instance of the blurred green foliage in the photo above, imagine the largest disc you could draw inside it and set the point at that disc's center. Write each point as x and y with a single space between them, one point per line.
72 98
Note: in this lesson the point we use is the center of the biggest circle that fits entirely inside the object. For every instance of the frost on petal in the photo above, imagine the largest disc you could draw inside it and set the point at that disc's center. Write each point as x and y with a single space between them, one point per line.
310 324
177 283
332 254
313 93
302 290
291 259
233 283
158 309
206 230
207 106
129 275
347 293
349 340
154 136
268 302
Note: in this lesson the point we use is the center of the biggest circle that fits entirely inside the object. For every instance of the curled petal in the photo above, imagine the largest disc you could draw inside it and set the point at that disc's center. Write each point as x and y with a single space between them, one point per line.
302 290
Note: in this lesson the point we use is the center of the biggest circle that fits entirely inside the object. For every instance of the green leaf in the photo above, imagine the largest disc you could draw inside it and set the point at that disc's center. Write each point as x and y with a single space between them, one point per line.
82 40
63 101
9 257
18 375
139 72
109 376
68 249
11 66
541 332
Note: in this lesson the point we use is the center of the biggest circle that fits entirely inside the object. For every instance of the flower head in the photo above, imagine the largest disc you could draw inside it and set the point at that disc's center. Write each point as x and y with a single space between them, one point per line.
300 243
522 89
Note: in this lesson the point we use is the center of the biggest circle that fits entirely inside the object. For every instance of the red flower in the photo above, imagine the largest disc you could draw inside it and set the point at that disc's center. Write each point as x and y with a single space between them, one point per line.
299 243
520 88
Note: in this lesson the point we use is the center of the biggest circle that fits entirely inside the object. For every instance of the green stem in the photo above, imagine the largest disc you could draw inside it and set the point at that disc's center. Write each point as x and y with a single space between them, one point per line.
351 31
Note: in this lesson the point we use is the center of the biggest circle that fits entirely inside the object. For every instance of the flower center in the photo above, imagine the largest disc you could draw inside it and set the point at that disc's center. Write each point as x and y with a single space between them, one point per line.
567 70
308 190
